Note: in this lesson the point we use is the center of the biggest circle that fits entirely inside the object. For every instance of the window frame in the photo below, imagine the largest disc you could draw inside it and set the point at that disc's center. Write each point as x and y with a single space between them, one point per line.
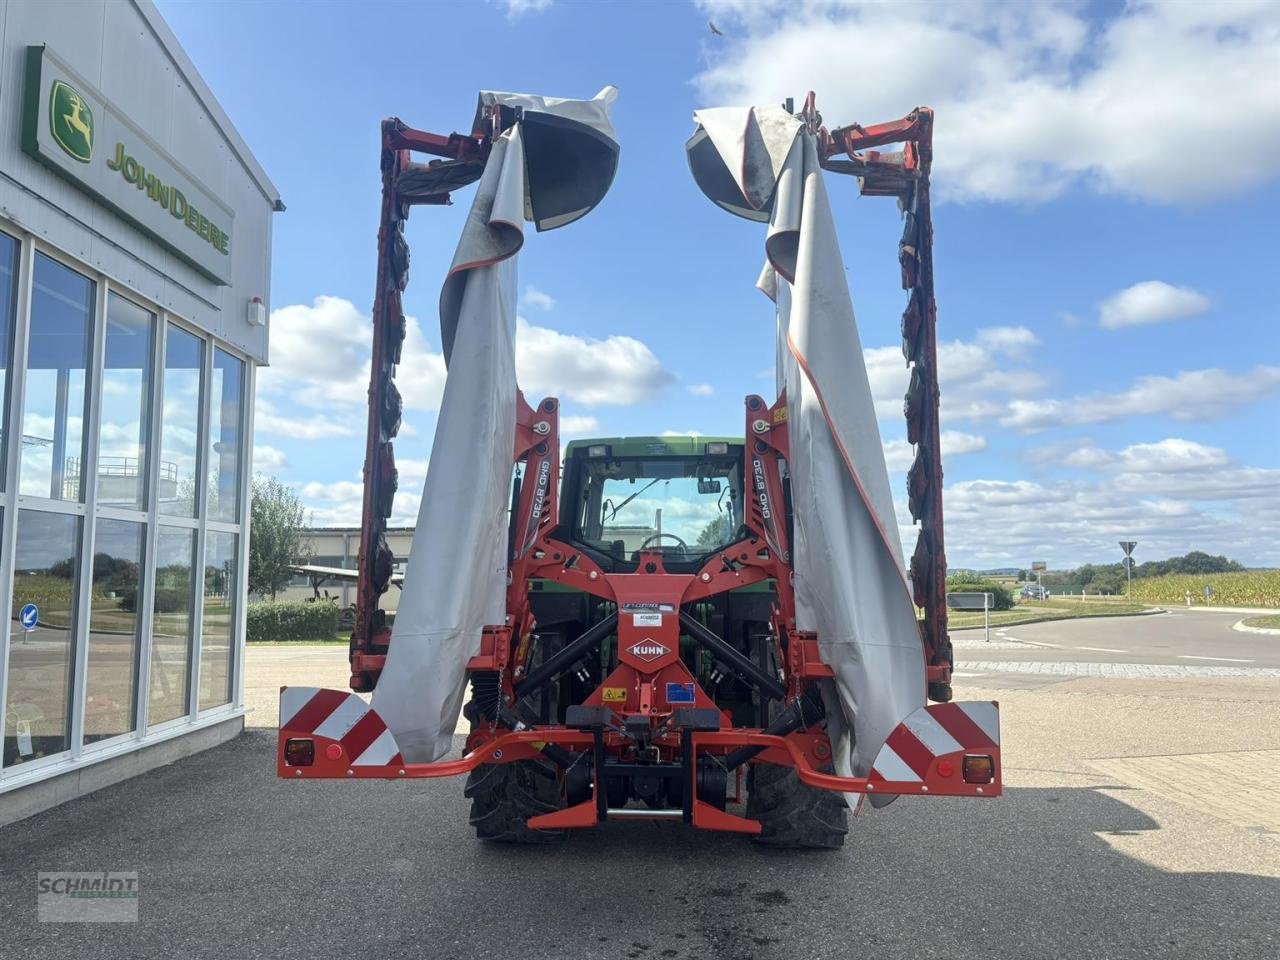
90 511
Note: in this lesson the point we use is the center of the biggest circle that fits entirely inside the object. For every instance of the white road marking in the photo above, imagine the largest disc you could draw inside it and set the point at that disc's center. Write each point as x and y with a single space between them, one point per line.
1034 643
964 673
1222 659
1101 649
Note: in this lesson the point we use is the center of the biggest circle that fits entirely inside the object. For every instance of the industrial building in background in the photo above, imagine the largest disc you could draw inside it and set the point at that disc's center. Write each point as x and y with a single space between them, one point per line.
135 265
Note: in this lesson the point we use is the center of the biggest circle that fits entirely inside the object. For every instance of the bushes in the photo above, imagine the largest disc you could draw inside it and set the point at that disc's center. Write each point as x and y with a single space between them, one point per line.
1001 596
167 599
292 620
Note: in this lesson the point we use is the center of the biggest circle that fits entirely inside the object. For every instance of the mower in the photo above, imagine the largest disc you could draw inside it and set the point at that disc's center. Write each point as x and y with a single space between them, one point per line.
650 665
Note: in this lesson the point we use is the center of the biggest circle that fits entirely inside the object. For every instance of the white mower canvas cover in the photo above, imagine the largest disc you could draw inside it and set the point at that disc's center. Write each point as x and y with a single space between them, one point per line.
851 586
456 579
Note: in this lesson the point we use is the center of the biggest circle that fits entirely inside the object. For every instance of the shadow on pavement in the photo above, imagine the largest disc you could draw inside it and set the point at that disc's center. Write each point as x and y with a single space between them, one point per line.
234 863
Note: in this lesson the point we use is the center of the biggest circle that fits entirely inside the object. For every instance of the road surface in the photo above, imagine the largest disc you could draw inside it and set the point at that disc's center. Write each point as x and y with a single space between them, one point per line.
1139 821
1183 638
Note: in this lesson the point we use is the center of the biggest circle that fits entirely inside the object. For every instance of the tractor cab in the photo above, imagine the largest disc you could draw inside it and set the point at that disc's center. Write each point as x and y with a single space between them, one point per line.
680 497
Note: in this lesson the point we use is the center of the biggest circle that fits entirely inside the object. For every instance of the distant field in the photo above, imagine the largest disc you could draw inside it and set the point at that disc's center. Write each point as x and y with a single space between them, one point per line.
1030 611
1253 588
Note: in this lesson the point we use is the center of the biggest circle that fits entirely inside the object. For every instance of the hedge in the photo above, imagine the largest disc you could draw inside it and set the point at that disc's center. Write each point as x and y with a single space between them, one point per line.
291 620
1001 596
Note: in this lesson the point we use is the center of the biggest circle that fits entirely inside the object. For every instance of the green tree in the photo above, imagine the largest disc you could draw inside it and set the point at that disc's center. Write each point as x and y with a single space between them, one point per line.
712 535
276 521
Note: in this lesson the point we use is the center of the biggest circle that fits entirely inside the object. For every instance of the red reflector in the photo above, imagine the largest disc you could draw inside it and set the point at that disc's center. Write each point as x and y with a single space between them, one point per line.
946 768
333 751
979 770
299 753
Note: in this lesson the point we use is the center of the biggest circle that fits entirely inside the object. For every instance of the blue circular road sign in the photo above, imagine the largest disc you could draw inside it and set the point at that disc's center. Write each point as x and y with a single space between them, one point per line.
29 616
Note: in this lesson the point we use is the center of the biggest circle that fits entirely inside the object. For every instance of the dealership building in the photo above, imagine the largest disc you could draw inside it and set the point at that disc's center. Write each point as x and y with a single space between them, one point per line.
135 257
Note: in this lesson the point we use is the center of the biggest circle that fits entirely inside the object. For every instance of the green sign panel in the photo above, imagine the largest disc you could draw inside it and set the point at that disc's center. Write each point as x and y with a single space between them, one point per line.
71 121
75 131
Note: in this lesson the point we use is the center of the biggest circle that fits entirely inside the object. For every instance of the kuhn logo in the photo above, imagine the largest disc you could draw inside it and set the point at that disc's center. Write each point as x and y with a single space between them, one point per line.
648 650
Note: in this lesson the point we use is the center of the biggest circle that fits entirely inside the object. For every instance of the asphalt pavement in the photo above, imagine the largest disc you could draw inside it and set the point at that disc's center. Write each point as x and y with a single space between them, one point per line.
1176 637
1138 821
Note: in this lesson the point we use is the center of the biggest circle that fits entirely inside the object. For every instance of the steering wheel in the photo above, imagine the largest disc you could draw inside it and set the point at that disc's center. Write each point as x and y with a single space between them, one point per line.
684 547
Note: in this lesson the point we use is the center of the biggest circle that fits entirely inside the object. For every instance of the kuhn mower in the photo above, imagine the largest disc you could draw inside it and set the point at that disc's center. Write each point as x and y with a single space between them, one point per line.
663 646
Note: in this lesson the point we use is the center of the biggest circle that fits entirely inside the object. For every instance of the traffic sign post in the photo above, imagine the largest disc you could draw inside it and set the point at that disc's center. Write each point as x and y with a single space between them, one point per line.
974 601
1127 546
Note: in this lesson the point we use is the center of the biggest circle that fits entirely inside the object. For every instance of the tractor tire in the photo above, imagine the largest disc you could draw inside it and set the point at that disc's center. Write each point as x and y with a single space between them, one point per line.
792 814
504 796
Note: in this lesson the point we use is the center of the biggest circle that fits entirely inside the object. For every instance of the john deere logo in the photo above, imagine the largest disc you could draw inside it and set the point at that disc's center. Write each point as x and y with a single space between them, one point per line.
71 121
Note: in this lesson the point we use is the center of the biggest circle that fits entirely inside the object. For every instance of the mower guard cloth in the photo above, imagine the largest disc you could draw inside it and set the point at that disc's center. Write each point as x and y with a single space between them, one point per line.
455 583
922 755
851 588
570 152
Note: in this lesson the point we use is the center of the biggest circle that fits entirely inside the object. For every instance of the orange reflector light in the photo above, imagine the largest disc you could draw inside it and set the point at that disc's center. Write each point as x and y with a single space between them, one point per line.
979 770
299 753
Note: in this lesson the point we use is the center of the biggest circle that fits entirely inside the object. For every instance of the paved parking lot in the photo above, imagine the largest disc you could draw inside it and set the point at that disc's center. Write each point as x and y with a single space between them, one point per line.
1139 820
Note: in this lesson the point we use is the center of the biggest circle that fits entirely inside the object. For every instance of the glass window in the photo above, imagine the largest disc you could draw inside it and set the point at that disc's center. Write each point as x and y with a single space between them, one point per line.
171 624
180 428
224 439
679 506
8 301
218 618
57 357
111 691
126 405
37 715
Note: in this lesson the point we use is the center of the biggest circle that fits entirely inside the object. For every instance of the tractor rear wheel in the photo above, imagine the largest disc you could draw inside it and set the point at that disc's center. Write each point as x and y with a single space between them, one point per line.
793 814
504 796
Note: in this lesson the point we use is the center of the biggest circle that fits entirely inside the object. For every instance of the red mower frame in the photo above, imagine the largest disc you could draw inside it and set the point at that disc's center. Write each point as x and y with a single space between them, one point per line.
943 748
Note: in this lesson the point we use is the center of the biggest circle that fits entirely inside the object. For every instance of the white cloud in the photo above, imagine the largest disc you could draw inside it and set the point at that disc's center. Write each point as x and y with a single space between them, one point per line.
899 454
411 472
1011 341
1152 301
312 426
617 370
267 458
537 299
575 426
320 358
1189 395
701 389
1172 495
975 381
518 8
1070 101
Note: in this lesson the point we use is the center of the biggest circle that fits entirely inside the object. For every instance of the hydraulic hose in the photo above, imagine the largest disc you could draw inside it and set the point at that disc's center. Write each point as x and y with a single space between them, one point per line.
801 714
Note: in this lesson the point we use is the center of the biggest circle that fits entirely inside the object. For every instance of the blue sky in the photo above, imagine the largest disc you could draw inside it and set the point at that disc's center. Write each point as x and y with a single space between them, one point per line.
1107 190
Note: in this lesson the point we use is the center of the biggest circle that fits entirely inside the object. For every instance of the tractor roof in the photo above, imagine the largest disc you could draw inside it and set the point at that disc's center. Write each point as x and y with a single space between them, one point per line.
679 446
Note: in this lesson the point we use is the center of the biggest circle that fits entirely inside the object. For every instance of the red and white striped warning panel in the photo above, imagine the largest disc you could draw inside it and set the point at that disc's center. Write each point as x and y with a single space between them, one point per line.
340 716
935 731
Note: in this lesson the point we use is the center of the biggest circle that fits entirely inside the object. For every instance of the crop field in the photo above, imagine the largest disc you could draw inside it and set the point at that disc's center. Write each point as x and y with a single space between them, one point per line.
1252 588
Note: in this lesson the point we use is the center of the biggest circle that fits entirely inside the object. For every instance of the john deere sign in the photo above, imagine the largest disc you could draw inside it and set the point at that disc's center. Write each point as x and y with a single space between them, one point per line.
71 121
71 128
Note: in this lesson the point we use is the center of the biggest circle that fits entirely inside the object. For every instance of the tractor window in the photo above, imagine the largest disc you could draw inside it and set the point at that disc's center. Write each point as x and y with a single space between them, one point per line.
676 506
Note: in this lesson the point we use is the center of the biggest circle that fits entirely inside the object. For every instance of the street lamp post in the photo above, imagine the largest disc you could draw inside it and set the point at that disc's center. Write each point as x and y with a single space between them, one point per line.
1127 546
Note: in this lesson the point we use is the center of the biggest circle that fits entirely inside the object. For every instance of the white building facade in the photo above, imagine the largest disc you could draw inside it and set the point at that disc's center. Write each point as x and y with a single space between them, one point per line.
135 243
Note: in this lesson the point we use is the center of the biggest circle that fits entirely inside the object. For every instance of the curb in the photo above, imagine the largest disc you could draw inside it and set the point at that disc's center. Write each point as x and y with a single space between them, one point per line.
1150 612
1242 627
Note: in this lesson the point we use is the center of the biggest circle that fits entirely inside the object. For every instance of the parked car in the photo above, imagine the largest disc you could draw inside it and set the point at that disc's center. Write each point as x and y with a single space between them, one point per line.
1033 591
